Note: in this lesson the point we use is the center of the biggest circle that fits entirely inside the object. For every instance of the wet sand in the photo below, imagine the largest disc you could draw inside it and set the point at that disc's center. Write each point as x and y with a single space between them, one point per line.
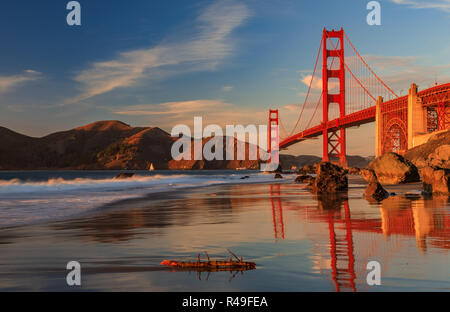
299 242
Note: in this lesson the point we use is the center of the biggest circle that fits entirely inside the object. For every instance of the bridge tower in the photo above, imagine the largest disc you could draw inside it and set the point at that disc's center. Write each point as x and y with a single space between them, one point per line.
333 139
273 135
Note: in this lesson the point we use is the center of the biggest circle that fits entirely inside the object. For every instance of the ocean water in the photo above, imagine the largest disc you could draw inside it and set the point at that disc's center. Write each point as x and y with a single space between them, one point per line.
36 196
120 231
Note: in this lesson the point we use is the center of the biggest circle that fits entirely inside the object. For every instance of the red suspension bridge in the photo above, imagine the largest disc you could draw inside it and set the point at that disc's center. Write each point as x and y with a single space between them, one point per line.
352 95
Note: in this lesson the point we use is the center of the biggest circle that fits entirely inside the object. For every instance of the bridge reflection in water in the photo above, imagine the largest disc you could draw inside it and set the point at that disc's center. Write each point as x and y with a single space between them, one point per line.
354 240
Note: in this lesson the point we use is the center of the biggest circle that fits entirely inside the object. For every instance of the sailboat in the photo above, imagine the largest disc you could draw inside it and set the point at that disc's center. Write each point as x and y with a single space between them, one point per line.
151 167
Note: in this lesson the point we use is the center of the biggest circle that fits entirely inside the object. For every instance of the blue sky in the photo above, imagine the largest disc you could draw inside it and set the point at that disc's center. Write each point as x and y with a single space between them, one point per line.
160 63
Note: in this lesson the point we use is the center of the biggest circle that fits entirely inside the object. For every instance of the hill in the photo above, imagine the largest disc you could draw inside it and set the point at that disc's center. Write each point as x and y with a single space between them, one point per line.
112 144
288 161
100 145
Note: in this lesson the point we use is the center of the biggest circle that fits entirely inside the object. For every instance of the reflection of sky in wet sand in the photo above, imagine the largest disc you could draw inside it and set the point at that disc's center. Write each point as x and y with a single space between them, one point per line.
299 242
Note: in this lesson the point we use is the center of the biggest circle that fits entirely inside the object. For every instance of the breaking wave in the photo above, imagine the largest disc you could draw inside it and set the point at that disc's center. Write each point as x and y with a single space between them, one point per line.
26 201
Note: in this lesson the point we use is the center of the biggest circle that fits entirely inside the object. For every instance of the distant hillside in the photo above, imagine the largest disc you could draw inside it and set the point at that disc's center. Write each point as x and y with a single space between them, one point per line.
100 145
116 145
288 161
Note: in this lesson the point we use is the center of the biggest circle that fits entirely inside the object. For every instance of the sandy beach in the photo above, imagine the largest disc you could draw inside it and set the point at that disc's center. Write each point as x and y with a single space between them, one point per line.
298 241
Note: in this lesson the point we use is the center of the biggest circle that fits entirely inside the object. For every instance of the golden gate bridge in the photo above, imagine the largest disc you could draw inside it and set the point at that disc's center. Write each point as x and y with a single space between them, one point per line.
352 95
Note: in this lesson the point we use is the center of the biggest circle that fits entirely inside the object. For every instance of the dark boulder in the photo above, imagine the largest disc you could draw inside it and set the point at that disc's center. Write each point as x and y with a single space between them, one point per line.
304 179
279 169
376 191
330 178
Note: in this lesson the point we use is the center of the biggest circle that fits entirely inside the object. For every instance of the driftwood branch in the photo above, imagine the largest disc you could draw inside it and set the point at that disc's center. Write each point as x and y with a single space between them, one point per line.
240 260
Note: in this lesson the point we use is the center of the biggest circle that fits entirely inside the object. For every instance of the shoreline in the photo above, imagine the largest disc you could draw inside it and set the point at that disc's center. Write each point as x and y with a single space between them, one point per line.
355 182
143 192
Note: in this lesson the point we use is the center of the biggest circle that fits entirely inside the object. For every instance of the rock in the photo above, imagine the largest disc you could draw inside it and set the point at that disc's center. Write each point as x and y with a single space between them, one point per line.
304 179
330 178
279 169
435 180
308 169
124 175
440 157
300 172
278 176
392 168
375 191
353 171
369 175
435 152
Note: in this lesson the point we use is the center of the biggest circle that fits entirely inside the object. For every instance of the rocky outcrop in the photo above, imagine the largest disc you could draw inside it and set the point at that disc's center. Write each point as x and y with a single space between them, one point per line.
353 171
435 180
435 152
374 189
440 157
392 168
224 164
307 169
304 179
369 175
330 178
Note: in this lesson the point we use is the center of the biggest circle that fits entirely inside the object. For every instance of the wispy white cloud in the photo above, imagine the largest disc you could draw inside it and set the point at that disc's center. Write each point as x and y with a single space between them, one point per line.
227 88
208 45
443 5
317 82
174 110
399 72
389 62
219 112
8 83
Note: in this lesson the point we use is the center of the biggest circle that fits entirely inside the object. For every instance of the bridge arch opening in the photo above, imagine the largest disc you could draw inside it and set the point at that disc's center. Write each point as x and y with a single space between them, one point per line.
396 138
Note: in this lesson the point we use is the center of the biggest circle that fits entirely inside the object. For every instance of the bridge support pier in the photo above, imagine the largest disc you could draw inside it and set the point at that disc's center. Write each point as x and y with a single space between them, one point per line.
417 117
378 128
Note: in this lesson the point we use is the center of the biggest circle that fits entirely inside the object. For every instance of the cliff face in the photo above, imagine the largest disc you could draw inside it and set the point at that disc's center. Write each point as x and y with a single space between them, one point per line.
435 152
217 164
100 145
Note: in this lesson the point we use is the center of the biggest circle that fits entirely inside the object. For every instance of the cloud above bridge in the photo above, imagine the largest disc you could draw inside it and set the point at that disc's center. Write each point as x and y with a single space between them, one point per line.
399 72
